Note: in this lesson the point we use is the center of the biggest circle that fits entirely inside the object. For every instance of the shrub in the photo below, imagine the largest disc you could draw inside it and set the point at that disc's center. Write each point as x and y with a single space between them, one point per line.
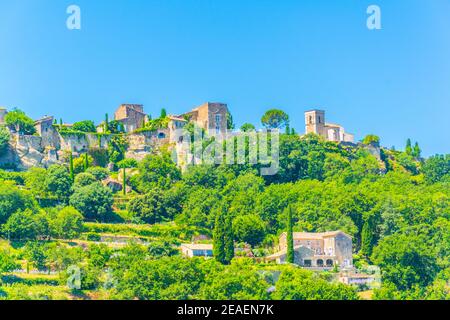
98 172
68 224
249 229
93 201
84 179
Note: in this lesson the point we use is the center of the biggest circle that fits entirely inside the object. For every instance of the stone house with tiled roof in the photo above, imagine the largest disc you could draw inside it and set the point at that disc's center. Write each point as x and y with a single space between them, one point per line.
317 250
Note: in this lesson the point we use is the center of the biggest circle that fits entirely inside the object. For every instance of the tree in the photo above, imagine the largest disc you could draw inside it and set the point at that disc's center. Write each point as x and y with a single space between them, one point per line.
18 121
275 119
290 237
86 161
372 139
247 127
437 168
99 173
12 200
163 113
230 122
156 171
219 238
416 152
7 263
106 124
408 149
167 278
36 255
99 255
82 163
67 224
299 284
71 167
35 180
406 261
59 182
239 281
93 201
85 126
117 148
84 179
249 229
367 237
21 225
229 240
149 208
4 139
288 129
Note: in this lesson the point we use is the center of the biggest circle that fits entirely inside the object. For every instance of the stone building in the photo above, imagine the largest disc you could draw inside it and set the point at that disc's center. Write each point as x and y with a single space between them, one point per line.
132 116
315 123
197 250
212 117
317 250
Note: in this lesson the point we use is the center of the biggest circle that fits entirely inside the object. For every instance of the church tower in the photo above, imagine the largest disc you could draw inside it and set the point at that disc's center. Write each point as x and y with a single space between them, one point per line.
315 122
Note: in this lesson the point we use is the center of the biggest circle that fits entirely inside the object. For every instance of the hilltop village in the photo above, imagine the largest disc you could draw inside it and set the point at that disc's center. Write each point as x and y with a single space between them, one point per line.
53 139
112 202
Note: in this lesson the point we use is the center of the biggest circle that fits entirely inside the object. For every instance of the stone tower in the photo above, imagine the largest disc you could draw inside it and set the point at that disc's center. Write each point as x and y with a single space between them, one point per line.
315 122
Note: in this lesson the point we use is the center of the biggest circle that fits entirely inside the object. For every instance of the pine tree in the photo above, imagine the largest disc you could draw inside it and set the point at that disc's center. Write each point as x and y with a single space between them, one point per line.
228 240
163 113
367 238
60 122
72 175
218 239
408 148
416 151
290 236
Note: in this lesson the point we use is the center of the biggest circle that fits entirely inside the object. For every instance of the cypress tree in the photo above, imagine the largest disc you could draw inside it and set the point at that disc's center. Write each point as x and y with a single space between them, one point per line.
367 238
290 236
124 182
288 129
229 240
105 129
416 151
163 113
218 239
408 148
86 161
72 175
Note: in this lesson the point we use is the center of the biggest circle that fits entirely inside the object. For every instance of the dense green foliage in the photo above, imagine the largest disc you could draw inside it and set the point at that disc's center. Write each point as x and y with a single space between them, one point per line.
85 126
18 121
395 207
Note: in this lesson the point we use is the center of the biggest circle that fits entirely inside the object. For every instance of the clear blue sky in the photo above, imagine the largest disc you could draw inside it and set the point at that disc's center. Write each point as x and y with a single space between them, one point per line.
252 54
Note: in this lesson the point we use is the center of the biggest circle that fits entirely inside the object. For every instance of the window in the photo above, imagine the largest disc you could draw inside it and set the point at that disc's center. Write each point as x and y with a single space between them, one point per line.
320 119
310 119
218 122
320 263
329 263
307 263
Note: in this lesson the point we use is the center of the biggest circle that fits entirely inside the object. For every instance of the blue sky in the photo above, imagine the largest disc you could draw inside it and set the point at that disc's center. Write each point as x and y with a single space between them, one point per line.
252 54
